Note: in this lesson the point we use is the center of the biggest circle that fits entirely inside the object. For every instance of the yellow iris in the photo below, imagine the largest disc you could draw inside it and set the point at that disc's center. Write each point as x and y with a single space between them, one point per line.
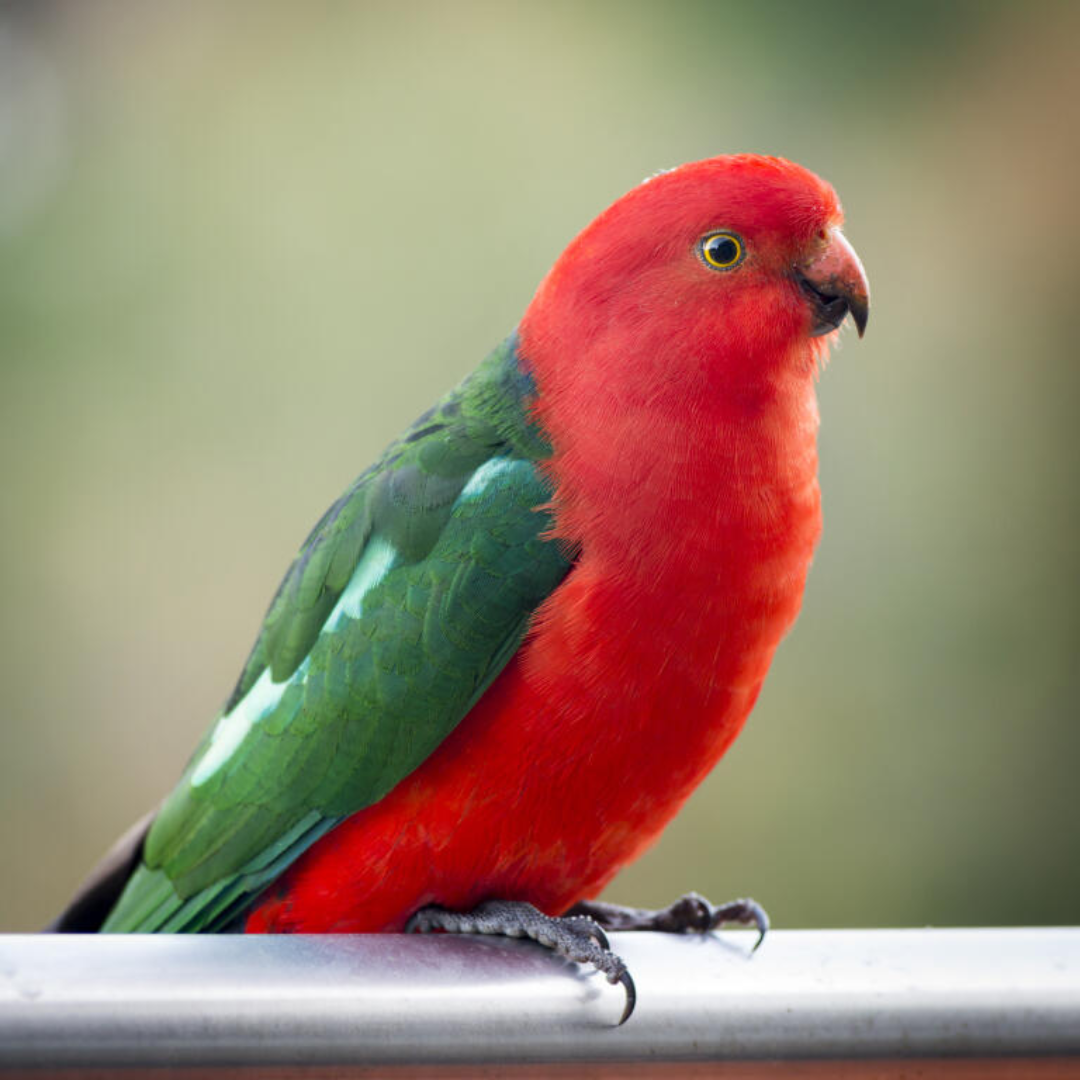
722 250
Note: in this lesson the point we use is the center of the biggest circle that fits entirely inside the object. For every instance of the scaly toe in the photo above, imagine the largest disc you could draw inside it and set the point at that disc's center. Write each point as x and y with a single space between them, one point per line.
576 937
742 913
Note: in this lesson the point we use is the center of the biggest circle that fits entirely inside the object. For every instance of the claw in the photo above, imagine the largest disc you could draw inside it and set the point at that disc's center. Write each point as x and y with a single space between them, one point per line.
761 921
742 913
591 927
575 937
631 997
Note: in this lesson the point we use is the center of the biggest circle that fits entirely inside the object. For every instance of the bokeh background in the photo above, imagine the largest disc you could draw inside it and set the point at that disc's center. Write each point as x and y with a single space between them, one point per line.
242 244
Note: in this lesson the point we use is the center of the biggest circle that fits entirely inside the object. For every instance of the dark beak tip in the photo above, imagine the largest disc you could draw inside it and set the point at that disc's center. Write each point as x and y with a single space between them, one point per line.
835 284
860 315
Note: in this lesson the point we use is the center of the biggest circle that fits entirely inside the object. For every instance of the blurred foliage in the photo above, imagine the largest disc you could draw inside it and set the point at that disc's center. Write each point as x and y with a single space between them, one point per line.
242 244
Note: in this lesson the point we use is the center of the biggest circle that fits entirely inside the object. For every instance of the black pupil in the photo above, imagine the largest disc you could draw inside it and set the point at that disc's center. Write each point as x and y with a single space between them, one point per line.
722 249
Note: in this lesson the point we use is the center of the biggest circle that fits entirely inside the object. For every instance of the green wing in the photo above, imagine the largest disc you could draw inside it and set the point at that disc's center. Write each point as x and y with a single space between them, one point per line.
405 602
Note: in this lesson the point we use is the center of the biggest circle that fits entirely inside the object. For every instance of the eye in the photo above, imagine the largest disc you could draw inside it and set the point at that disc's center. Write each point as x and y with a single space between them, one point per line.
722 250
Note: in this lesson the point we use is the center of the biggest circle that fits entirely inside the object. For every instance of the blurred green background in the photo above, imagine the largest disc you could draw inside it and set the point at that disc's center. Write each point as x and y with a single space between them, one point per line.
242 244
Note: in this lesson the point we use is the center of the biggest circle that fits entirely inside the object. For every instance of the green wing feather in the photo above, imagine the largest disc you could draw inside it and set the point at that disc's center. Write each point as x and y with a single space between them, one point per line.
404 603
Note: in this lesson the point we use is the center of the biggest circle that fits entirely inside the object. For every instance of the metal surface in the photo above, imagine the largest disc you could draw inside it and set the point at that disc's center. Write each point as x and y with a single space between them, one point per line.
382 1000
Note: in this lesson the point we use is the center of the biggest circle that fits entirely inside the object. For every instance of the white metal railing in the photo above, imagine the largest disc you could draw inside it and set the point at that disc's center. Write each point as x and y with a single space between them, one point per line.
395 1000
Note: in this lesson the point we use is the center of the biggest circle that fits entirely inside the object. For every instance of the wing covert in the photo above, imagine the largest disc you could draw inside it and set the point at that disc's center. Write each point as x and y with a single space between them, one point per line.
407 599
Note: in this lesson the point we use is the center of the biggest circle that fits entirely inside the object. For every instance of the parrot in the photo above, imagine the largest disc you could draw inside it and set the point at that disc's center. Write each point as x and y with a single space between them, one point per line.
507 654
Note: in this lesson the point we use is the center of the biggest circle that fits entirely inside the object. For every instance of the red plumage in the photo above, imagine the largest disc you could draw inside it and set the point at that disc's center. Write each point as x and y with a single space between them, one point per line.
680 405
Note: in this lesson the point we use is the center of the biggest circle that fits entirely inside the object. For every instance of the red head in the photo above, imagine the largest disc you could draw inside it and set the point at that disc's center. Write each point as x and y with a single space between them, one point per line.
718 270
674 345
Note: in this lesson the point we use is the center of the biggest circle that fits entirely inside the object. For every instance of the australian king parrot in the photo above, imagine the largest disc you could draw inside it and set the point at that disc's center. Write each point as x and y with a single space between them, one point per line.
503 659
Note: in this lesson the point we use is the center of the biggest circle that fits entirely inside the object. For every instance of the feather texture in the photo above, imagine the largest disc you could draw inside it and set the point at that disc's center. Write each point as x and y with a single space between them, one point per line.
404 603
505 657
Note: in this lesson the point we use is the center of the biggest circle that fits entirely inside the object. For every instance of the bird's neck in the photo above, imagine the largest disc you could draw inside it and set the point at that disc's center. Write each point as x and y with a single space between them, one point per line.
710 479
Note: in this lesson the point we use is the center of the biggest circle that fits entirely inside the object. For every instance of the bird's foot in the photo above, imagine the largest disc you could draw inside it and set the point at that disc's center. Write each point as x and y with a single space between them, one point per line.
578 937
689 913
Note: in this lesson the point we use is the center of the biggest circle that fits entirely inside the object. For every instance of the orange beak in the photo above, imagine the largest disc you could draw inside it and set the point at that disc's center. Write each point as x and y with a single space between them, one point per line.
835 283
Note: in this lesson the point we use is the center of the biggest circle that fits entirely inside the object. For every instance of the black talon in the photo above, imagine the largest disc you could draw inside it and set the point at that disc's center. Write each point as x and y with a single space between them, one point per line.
631 997
689 913
742 913
588 926
576 937
596 932
761 920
